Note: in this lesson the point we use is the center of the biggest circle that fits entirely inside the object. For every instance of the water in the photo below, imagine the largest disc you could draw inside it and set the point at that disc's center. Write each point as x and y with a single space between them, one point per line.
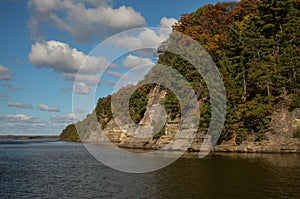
67 170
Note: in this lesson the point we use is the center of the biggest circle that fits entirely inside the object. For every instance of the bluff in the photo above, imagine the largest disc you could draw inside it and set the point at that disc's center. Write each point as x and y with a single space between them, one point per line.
256 47
281 137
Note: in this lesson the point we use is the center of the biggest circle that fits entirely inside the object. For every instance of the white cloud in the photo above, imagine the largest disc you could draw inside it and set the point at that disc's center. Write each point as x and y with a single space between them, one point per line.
4 73
17 117
66 119
147 37
22 124
133 76
61 57
20 105
83 19
167 22
44 107
133 61
138 67
81 88
88 79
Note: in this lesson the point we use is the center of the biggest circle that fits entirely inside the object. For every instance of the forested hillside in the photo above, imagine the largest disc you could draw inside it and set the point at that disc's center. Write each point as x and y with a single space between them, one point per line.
256 47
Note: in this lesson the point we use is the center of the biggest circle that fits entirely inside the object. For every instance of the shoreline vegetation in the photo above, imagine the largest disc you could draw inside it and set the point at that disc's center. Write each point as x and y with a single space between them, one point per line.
255 45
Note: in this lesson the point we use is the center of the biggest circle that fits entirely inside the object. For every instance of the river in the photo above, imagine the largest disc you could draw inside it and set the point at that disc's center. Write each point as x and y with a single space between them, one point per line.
67 170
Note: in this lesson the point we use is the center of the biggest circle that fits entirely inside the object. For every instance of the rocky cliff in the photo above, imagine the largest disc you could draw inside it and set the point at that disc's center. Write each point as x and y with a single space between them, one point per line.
166 131
281 137
258 63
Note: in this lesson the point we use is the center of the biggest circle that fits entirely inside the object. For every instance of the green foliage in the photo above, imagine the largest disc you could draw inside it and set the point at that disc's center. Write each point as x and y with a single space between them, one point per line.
296 133
257 51
70 134
255 116
255 44
240 136
172 105
103 108
260 137
295 103
138 104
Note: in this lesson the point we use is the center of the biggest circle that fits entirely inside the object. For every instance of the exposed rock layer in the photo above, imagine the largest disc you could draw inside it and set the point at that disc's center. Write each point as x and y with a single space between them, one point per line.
279 139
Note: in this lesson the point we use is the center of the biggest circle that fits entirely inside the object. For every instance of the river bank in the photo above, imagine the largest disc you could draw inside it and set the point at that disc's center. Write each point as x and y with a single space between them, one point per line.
247 147
271 146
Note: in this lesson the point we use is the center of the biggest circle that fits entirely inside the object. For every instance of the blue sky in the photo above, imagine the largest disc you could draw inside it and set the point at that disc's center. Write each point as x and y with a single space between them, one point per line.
43 43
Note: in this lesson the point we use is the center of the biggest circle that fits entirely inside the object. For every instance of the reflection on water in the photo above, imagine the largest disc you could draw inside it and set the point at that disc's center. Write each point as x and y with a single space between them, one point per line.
67 170
234 176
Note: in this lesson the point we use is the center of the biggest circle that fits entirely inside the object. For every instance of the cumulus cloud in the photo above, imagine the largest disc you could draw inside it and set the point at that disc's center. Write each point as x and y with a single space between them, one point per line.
167 22
84 19
133 76
146 37
44 107
138 67
16 117
27 125
4 73
61 57
81 88
88 79
133 61
19 119
67 119
20 105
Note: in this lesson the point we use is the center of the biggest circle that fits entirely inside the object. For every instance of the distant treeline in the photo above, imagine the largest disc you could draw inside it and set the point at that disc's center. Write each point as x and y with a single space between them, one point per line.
25 137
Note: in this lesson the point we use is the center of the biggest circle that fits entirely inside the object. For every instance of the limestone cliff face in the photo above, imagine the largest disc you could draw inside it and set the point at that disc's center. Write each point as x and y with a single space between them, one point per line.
284 122
134 138
279 138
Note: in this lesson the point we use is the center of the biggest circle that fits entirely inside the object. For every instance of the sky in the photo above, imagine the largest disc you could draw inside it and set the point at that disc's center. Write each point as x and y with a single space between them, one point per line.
53 51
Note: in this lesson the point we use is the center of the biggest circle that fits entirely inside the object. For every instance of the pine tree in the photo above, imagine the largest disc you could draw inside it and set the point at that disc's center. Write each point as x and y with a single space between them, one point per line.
290 51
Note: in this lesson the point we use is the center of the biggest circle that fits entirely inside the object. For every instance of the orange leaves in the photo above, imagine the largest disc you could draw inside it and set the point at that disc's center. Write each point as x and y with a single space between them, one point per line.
208 25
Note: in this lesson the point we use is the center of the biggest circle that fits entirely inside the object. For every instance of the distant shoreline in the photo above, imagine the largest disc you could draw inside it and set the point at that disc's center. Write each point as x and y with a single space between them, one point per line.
28 137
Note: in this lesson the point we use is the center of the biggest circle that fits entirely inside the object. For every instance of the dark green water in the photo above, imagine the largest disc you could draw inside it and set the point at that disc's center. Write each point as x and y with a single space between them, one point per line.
67 170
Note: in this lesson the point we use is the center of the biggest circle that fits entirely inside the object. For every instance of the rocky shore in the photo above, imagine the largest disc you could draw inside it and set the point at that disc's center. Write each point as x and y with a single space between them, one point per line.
279 139
269 146
273 143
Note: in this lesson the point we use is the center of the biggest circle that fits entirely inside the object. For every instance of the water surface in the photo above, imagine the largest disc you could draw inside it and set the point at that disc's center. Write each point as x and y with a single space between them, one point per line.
67 170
